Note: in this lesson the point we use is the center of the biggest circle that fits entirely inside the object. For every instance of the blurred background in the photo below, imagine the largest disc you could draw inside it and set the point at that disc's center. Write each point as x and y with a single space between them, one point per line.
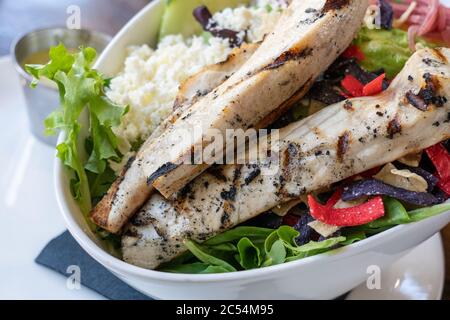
19 16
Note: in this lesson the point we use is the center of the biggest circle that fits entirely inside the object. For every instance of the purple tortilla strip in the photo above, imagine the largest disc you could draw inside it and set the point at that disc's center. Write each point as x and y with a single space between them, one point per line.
375 187
386 14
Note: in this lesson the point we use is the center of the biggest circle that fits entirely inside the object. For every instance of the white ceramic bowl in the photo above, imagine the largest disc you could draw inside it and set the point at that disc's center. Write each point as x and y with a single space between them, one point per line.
320 277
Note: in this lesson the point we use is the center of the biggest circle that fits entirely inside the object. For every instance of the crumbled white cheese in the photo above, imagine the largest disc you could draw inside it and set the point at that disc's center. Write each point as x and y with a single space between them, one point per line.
253 22
273 4
150 79
372 17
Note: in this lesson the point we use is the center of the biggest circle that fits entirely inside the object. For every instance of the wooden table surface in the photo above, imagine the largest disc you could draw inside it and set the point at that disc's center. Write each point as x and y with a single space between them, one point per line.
446 239
20 16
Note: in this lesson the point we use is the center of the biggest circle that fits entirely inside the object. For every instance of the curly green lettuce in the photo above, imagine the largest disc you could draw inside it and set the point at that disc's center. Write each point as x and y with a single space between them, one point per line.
385 49
82 89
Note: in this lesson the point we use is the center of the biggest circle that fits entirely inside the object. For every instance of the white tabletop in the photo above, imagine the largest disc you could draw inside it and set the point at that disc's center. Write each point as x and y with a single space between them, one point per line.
29 215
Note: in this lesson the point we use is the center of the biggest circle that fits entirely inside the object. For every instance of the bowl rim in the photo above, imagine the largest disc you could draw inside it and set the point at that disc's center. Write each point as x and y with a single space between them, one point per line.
126 269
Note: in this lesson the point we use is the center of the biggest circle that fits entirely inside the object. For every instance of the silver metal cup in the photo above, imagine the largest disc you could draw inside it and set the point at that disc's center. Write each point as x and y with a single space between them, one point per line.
42 100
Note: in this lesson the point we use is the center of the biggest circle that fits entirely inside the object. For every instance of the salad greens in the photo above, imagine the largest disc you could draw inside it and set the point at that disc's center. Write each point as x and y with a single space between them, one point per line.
396 214
246 248
424 213
236 234
385 49
82 88
206 255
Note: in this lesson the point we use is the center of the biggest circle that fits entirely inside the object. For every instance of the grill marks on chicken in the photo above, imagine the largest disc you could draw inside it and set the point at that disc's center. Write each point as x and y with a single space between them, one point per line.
343 145
252 96
428 94
394 127
111 214
325 148
210 77
289 55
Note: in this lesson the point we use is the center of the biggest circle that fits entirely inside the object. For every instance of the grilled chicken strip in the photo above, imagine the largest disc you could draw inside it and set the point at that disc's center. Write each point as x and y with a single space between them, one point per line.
205 81
119 204
308 38
338 142
213 76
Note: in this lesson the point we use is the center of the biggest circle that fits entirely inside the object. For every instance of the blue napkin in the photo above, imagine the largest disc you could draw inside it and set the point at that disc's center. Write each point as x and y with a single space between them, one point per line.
64 251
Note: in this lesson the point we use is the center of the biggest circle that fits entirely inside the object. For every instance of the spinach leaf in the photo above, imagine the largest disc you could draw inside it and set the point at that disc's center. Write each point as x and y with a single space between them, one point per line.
270 240
354 237
99 183
226 247
395 214
288 235
276 255
237 234
214 269
313 248
249 254
205 257
192 268
420 214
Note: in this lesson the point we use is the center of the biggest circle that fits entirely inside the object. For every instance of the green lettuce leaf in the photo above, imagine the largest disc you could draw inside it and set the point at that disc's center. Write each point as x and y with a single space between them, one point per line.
205 257
191 268
270 240
214 269
249 254
82 87
99 184
258 247
252 248
225 247
239 233
288 235
354 237
385 49
60 60
276 254
395 214
424 213
313 248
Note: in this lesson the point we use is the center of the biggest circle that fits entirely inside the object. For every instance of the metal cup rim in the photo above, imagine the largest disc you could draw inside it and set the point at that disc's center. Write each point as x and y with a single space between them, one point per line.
23 35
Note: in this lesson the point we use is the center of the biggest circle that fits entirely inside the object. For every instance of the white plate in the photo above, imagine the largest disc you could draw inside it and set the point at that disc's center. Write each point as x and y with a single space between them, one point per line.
419 275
